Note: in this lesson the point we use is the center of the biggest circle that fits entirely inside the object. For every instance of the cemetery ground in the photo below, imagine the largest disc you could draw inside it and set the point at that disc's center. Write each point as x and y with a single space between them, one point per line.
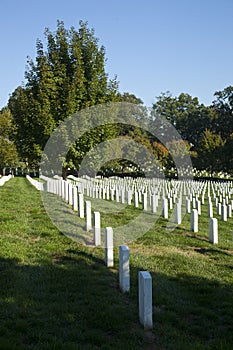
58 294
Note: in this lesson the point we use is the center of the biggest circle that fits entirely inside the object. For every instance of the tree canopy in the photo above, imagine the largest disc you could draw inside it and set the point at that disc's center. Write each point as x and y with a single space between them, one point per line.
67 76
207 130
8 152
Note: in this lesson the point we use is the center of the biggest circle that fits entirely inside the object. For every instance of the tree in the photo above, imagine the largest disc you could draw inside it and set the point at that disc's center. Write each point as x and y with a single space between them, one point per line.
67 76
211 151
223 106
8 152
185 113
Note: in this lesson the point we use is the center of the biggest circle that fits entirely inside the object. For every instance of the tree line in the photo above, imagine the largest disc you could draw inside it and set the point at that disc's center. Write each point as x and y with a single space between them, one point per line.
69 75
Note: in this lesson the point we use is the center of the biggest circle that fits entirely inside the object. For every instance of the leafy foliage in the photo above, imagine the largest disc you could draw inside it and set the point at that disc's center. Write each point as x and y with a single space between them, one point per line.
68 76
8 152
207 131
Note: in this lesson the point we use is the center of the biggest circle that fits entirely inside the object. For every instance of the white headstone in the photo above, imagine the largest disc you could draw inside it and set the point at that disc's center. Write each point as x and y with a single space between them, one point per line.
213 230
112 194
70 194
194 203
88 216
198 206
108 240
75 199
97 228
178 217
224 212
153 203
144 201
210 209
122 196
81 205
129 197
194 220
67 191
219 209
165 208
145 299
136 199
117 195
124 274
170 203
188 206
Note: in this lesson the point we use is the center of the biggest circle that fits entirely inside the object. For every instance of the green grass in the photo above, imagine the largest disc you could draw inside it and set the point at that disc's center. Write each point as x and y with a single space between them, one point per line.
57 294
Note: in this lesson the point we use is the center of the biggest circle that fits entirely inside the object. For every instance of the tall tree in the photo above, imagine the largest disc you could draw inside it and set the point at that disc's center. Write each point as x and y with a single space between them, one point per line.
223 105
8 152
211 151
185 113
67 76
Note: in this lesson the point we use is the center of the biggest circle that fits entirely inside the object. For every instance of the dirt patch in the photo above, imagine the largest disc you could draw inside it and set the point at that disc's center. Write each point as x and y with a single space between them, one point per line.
150 342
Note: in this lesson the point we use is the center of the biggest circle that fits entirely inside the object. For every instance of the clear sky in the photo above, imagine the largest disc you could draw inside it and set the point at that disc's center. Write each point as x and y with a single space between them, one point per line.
151 45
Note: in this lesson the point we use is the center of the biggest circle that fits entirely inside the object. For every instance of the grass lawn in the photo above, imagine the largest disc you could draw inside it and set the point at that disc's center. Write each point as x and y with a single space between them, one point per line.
57 294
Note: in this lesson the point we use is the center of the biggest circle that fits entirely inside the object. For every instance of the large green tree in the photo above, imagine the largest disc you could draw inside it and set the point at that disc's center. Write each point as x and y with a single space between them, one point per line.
223 106
223 124
185 113
211 152
68 75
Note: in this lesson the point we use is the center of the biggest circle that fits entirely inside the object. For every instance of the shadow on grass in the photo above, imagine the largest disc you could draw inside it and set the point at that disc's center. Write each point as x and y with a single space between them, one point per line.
211 251
72 302
190 312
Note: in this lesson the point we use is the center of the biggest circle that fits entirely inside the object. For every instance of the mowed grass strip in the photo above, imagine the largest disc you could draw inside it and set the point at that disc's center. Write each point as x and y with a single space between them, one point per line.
56 294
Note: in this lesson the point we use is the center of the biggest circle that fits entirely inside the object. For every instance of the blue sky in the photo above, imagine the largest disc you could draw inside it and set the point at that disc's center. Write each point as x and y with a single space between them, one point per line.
152 46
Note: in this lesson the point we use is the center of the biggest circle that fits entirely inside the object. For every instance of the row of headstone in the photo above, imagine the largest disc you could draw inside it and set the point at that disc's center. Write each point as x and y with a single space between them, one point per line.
192 202
147 195
70 194
144 279
193 192
223 209
73 193
4 179
37 184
